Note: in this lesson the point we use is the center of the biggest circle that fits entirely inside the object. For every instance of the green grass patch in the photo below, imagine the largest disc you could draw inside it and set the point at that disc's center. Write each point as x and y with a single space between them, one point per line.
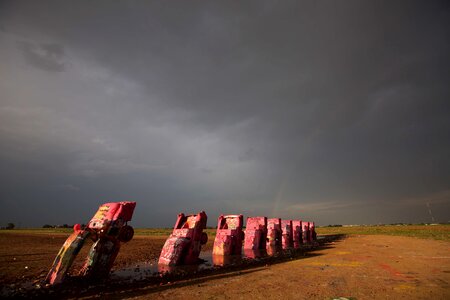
436 232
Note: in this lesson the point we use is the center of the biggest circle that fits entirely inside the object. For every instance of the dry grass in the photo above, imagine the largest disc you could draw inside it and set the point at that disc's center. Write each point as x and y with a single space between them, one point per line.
436 232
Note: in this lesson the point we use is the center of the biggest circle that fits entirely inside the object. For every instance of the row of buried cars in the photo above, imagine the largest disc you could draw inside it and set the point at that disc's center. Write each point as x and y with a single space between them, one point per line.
184 244
109 228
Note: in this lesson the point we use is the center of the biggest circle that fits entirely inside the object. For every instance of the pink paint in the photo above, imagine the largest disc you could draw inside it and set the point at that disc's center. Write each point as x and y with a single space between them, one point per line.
184 244
297 233
120 212
305 232
286 230
255 233
274 234
229 235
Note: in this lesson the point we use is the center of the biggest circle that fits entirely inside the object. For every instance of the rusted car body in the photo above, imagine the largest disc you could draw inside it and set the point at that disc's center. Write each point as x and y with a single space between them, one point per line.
255 233
108 228
229 235
184 244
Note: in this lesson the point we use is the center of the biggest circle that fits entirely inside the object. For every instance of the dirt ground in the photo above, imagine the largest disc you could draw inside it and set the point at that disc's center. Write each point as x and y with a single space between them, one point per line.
30 256
356 267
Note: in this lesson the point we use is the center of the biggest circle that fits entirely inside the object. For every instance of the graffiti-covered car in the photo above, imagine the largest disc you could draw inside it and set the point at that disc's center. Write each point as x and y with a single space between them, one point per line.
184 244
108 228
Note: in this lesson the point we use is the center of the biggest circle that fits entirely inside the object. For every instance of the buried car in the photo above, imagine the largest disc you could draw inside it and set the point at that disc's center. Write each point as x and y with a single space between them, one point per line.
274 233
229 235
297 233
287 238
255 233
184 244
108 228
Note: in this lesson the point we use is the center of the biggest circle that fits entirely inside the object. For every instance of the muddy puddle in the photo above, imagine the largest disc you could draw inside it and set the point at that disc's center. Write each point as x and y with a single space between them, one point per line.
207 262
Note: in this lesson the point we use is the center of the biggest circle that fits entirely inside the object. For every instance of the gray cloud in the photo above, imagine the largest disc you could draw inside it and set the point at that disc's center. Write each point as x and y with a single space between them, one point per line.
47 57
333 112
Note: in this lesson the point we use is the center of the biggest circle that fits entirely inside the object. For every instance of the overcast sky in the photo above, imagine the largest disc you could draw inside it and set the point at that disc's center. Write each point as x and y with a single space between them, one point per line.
336 112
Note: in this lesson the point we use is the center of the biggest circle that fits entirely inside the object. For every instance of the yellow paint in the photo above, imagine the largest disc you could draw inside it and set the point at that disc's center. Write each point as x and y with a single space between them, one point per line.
404 287
101 213
342 253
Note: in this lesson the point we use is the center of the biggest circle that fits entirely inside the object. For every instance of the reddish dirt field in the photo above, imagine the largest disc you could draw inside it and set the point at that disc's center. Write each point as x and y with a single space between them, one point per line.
357 267
30 256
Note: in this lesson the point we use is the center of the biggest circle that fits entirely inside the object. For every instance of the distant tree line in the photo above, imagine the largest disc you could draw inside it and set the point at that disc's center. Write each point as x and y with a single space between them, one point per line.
60 226
9 226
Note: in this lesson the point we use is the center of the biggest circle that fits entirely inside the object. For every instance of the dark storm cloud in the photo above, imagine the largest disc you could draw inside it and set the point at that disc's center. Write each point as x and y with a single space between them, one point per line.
336 112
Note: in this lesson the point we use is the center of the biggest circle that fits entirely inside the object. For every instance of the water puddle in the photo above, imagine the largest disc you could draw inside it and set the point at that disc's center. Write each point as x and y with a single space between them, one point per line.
207 261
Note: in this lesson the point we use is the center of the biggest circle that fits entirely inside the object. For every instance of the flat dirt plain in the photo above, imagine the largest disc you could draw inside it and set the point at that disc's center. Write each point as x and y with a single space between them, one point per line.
356 265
